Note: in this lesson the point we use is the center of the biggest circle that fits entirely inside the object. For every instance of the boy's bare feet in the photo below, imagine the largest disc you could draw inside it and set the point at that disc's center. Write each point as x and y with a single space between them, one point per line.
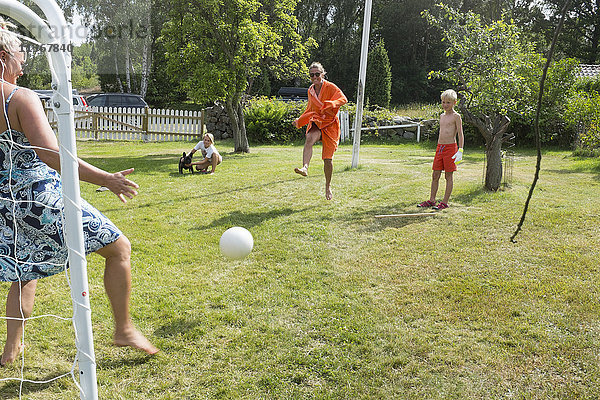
328 193
11 353
302 171
136 340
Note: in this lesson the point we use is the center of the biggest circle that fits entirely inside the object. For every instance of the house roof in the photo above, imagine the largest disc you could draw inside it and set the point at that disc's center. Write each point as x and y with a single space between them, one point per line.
588 71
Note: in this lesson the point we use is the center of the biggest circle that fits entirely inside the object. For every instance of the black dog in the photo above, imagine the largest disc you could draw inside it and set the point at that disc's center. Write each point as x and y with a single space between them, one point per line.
185 159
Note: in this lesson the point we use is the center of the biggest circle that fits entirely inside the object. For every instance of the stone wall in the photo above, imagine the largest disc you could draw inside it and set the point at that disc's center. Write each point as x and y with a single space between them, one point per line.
217 122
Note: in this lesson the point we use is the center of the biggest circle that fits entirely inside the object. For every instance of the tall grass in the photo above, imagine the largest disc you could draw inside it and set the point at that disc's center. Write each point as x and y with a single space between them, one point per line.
418 110
333 303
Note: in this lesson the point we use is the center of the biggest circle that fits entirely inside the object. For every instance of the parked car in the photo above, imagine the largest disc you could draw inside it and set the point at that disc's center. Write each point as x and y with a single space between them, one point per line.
116 100
78 100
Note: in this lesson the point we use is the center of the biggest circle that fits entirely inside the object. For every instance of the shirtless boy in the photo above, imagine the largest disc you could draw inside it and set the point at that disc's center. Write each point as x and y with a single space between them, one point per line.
448 154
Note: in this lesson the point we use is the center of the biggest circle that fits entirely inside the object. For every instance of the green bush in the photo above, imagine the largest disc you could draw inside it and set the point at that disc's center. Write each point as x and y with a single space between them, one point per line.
559 83
588 85
583 114
271 120
378 88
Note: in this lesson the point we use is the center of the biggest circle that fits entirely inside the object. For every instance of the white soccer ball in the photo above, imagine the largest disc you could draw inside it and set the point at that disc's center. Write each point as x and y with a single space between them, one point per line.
236 243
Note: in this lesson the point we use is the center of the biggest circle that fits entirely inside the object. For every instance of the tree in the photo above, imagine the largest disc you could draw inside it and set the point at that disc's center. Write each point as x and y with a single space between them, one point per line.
122 34
414 48
379 82
84 69
581 33
215 47
336 25
489 66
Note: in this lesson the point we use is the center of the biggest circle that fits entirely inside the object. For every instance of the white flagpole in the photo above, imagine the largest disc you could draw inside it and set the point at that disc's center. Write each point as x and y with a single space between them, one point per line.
362 77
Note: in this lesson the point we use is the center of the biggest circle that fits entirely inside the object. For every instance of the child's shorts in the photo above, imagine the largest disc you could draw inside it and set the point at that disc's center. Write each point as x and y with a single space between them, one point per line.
443 157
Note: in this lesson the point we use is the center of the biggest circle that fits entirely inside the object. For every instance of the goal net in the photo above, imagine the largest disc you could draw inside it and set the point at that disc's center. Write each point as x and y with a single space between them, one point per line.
50 31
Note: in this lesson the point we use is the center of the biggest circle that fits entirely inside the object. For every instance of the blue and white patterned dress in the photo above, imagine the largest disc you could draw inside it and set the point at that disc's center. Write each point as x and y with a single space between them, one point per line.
31 195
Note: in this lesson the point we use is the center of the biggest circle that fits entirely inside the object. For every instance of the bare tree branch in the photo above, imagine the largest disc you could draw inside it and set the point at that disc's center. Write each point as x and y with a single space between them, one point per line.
537 119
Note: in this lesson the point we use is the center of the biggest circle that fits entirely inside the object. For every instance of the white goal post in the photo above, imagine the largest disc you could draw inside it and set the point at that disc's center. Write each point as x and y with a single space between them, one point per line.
362 80
54 35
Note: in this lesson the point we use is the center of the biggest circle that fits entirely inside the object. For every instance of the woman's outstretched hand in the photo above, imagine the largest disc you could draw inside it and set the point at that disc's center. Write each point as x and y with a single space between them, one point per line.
121 186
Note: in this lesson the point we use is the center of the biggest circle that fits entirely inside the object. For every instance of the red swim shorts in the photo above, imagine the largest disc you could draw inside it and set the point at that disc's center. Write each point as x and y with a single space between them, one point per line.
443 157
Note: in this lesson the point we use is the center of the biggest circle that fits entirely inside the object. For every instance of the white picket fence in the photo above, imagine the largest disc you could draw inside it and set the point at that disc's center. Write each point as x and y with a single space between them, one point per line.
162 125
344 126
146 124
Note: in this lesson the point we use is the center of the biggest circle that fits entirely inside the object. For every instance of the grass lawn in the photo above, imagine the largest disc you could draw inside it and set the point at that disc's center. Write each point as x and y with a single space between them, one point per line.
333 303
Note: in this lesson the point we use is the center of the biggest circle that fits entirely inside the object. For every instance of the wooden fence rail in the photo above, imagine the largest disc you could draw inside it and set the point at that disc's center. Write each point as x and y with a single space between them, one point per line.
146 124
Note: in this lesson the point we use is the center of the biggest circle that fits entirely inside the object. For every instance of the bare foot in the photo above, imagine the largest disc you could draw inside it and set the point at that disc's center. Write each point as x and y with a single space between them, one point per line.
328 194
302 171
136 340
11 353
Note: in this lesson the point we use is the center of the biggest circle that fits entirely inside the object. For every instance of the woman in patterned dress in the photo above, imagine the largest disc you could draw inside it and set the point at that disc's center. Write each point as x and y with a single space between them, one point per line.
32 244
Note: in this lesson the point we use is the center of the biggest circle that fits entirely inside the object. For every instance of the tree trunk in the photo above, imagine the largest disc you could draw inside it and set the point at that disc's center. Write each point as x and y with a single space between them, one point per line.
146 60
493 169
127 67
117 72
236 118
494 133
594 57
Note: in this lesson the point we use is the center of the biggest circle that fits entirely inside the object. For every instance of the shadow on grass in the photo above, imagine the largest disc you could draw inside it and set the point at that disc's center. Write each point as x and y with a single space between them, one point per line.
119 362
10 390
176 327
474 195
248 220
390 217
583 165
209 195
152 162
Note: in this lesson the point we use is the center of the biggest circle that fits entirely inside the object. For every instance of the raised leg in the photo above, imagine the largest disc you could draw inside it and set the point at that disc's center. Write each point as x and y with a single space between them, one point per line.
117 282
312 137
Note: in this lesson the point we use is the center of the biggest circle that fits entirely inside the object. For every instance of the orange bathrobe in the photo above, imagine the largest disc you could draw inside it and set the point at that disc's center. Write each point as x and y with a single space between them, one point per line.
322 111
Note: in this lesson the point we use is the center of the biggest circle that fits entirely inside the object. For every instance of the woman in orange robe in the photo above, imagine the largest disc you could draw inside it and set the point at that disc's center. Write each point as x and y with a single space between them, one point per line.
324 102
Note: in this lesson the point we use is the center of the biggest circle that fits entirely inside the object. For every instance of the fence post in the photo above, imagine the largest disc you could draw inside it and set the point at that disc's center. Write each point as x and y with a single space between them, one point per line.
145 124
95 124
202 123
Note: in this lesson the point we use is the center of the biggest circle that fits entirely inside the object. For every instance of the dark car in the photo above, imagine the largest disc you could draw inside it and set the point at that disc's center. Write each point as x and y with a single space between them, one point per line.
116 100
293 93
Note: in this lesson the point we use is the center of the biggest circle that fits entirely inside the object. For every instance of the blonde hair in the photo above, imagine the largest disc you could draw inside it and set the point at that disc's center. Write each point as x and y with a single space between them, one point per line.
318 66
449 94
211 137
8 39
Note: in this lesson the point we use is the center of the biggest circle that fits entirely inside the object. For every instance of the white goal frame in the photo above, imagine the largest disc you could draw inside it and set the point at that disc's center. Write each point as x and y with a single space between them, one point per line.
54 31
